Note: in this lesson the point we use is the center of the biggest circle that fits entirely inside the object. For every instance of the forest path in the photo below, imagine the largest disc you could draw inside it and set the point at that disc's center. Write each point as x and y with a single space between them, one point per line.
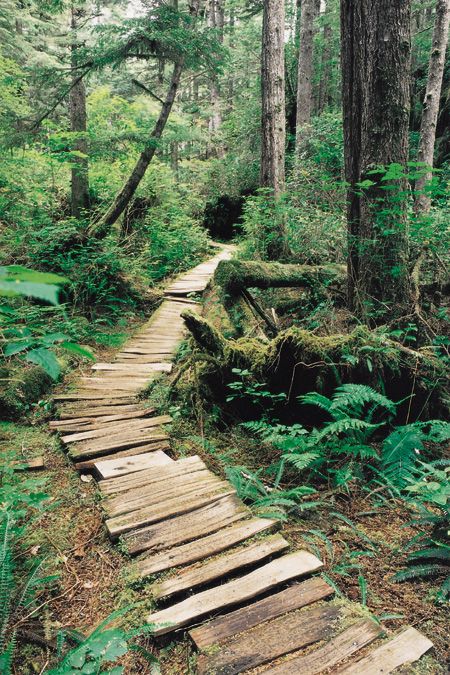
178 514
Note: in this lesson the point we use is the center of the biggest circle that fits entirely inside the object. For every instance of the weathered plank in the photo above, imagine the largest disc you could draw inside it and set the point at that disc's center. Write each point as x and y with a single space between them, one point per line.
118 427
113 468
270 641
91 423
290 566
160 491
403 649
205 546
215 569
88 464
69 412
35 463
104 445
111 398
294 597
167 509
182 467
117 366
339 648
186 528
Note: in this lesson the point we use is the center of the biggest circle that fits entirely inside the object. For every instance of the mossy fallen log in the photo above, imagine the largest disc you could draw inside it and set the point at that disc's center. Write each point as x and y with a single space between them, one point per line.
235 277
297 362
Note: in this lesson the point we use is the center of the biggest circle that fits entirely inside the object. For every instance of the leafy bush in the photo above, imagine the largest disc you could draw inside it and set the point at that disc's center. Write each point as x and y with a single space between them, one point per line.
430 485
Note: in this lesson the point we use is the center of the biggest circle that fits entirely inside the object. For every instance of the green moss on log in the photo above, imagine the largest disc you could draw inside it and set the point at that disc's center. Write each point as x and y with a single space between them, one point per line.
297 362
235 275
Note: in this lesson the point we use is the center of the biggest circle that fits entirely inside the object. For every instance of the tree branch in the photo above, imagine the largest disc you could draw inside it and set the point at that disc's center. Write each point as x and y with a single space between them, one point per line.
147 90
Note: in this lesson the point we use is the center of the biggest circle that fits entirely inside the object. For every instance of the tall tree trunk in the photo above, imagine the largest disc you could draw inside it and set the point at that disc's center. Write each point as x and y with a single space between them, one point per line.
309 10
216 14
273 132
102 226
431 103
79 197
376 47
324 85
231 24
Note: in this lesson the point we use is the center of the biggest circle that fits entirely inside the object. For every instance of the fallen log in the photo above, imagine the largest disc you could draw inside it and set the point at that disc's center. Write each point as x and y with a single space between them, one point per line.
297 362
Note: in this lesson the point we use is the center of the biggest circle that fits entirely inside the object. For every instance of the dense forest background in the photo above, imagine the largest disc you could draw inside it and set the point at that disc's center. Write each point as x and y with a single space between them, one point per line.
132 134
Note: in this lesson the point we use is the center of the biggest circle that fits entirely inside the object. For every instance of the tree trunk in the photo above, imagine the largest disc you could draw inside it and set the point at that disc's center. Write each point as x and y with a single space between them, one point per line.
101 227
79 197
216 14
431 103
376 48
309 9
273 132
324 85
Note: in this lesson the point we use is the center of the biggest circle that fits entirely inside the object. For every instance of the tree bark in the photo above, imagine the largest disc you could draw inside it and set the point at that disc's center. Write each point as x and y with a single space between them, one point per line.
101 227
324 86
376 48
273 131
216 15
79 193
309 10
431 103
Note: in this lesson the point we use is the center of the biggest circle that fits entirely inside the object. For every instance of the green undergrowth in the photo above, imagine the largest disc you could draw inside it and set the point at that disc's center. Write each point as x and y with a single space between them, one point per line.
60 553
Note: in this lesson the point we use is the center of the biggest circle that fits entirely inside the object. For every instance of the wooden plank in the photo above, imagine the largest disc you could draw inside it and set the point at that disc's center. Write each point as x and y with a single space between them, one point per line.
97 399
145 495
403 649
167 509
183 301
35 463
286 568
148 351
339 648
270 641
88 464
182 467
117 366
294 597
73 412
205 546
220 567
186 528
103 446
113 468
118 428
90 423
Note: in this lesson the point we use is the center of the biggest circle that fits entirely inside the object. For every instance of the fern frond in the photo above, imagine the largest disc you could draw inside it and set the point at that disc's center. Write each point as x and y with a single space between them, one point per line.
430 553
399 455
314 398
351 398
302 461
346 425
420 571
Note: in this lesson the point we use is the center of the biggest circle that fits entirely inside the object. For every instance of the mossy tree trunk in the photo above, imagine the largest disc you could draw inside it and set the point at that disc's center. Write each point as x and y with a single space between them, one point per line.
376 46
273 120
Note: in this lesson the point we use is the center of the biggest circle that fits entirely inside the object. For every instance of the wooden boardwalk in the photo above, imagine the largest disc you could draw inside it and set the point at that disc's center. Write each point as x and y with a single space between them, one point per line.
231 580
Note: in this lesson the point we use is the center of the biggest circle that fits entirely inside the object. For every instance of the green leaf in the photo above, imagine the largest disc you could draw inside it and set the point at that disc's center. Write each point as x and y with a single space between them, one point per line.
45 292
46 359
78 350
17 347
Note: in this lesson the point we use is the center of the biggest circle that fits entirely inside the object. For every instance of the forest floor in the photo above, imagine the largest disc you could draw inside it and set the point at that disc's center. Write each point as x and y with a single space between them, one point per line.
95 578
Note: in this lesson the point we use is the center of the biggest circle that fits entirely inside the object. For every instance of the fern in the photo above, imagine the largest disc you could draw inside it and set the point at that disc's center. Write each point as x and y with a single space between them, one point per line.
345 426
302 461
354 397
399 455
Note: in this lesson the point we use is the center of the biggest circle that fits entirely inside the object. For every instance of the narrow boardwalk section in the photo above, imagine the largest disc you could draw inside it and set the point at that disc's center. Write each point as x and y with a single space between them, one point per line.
264 606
